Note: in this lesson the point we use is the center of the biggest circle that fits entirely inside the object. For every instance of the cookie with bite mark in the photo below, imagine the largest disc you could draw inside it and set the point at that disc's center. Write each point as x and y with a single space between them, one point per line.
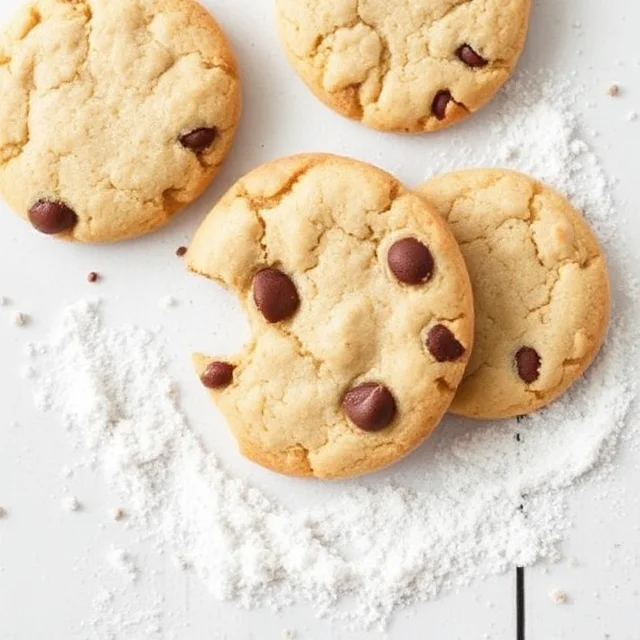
360 309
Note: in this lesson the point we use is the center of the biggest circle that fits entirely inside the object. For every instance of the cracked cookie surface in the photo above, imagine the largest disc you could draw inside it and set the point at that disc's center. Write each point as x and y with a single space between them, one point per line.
115 114
361 314
540 284
406 65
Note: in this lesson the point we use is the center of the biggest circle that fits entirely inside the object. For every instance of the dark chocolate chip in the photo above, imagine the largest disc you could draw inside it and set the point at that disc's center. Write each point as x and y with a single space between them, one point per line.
443 345
440 104
199 140
410 261
470 57
217 375
275 295
180 251
528 364
370 406
92 276
51 217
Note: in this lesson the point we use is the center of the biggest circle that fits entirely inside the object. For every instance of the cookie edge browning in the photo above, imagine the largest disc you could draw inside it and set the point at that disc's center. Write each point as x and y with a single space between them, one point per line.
294 461
604 309
199 15
342 102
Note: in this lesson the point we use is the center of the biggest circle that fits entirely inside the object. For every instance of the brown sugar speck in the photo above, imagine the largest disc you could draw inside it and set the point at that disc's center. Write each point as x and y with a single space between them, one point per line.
93 277
180 251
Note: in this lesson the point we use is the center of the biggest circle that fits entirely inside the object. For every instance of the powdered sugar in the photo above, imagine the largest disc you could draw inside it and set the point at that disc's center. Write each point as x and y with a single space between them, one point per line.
483 499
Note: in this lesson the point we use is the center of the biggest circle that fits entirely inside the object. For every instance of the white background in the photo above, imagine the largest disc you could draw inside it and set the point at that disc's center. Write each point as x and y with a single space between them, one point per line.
52 563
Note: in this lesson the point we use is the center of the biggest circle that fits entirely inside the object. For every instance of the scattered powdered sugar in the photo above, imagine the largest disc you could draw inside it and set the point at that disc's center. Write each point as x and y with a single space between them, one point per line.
483 499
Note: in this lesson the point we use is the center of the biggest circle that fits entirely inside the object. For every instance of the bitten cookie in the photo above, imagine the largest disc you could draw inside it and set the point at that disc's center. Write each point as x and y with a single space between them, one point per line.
115 114
540 284
361 314
404 65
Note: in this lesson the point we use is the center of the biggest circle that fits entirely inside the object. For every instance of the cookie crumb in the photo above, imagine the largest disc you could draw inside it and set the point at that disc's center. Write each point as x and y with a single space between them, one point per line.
289 634
71 504
118 514
558 596
20 319
93 276
614 90
632 116
3 513
180 251
4 301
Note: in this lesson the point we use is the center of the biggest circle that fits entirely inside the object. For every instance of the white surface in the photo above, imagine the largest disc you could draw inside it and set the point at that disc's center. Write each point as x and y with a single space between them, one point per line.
52 562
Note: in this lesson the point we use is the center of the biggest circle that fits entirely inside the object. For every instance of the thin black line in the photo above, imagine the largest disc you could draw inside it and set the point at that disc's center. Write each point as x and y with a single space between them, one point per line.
520 604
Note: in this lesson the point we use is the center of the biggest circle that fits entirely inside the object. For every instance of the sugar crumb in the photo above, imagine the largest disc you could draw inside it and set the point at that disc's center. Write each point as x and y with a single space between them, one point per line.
71 503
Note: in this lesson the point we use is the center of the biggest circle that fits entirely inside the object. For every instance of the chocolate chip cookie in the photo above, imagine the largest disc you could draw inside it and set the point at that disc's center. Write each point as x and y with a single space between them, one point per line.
541 289
361 314
406 65
115 114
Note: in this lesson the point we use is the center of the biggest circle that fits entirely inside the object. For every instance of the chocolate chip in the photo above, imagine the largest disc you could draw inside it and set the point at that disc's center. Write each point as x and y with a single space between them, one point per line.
443 345
92 276
471 57
410 261
440 104
180 251
51 217
370 406
528 364
217 375
199 140
275 295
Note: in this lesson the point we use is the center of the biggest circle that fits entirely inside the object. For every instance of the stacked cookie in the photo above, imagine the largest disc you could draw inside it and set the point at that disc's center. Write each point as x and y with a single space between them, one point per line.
374 309
360 295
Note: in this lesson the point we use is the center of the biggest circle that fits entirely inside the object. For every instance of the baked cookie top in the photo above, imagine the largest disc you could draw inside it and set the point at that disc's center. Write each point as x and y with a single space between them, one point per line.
114 115
540 284
360 308
404 65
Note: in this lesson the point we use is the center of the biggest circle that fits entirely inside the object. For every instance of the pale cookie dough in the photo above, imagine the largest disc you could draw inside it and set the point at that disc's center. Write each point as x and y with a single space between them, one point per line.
361 314
404 65
541 289
115 114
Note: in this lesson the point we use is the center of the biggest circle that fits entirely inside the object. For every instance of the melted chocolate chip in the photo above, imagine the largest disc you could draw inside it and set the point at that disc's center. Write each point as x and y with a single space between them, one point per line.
217 375
470 57
440 104
370 406
51 217
528 364
275 295
199 140
443 345
410 261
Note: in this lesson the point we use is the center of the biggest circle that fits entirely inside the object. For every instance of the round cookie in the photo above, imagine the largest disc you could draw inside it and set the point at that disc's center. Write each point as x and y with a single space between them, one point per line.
406 65
361 314
540 284
115 114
